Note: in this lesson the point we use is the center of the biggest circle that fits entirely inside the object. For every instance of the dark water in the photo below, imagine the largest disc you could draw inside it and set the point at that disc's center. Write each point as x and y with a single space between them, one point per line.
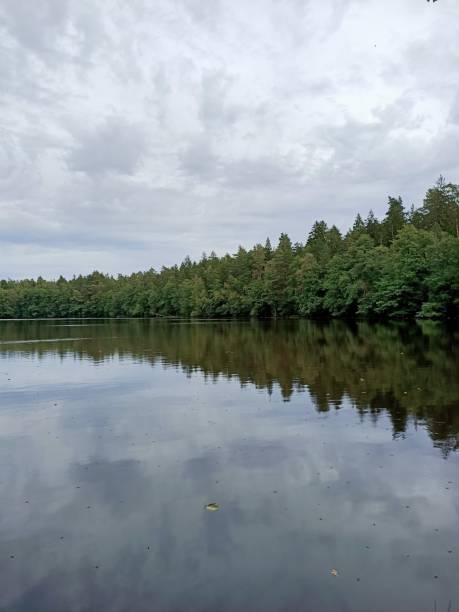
326 447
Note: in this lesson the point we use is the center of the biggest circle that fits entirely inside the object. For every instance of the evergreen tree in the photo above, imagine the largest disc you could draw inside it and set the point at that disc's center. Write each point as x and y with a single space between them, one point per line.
268 249
373 227
278 277
394 220
357 230
440 210
317 241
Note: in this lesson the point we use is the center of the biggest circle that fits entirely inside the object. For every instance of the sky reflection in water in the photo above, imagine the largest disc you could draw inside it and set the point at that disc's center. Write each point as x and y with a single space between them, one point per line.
325 447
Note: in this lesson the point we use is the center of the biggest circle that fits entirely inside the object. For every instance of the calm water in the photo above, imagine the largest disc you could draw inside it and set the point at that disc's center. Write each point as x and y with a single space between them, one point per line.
326 447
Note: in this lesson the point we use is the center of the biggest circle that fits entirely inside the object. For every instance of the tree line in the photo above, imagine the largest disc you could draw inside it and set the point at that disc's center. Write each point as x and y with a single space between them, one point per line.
403 266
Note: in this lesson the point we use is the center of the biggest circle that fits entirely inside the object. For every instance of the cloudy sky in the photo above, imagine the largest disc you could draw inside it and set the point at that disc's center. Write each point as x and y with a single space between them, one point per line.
133 133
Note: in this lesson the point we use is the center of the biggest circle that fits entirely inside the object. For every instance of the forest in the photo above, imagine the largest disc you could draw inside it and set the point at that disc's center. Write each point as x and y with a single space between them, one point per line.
402 266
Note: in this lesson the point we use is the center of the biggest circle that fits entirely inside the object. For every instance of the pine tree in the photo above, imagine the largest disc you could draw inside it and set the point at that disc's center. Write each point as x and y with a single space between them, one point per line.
278 277
394 220
440 209
373 227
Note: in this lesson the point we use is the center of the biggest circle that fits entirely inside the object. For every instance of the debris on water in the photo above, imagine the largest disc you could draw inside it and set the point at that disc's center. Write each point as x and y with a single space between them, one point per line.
212 507
334 572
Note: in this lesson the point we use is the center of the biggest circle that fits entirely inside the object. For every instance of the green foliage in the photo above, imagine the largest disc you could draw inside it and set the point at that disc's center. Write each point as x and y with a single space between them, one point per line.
374 228
278 278
405 266
440 210
394 220
442 280
349 278
401 289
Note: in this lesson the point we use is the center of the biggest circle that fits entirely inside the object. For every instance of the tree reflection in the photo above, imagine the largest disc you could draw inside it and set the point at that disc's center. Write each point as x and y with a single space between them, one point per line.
408 372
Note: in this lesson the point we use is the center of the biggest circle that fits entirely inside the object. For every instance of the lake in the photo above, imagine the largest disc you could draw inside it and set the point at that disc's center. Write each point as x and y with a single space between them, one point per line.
331 451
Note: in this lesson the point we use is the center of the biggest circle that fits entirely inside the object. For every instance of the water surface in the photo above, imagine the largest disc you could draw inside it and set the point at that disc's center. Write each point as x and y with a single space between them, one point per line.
327 447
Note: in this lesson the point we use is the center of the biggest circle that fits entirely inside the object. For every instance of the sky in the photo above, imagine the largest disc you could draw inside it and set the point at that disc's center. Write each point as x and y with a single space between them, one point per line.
135 133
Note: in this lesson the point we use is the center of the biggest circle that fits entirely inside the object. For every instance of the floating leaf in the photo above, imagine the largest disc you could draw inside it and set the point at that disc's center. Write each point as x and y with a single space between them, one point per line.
212 507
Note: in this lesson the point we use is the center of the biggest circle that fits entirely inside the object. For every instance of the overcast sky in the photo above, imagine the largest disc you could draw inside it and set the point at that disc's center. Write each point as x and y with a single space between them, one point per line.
133 133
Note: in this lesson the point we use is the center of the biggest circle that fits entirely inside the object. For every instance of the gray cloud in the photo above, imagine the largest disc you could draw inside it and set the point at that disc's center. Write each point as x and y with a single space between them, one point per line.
114 146
198 160
133 135
214 109
454 114
36 30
